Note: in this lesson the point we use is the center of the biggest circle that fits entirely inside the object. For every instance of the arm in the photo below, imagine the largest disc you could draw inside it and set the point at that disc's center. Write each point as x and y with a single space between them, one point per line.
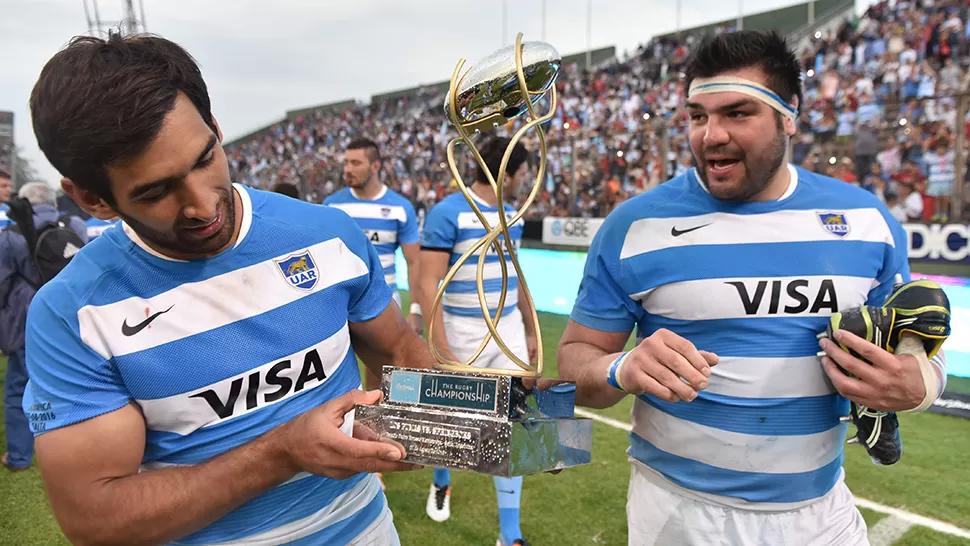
525 307
584 356
412 255
388 340
91 473
434 267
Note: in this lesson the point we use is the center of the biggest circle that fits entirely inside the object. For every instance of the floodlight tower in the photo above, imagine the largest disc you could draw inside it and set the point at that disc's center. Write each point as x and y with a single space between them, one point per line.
130 23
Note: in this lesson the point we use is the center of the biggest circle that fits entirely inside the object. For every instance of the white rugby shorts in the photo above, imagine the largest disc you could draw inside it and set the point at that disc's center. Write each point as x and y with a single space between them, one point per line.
658 516
466 333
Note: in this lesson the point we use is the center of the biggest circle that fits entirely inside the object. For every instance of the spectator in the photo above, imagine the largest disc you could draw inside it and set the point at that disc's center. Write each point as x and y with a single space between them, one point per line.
18 279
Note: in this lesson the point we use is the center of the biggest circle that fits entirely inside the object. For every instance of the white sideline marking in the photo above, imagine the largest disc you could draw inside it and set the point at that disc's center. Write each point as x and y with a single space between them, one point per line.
888 530
908 517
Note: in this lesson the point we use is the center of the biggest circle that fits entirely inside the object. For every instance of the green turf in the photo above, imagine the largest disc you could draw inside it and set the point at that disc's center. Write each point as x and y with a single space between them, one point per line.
586 505
922 536
958 384
871 516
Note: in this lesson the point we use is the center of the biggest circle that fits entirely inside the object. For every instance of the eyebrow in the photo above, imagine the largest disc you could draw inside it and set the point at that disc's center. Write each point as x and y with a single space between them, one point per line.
143 188
725 108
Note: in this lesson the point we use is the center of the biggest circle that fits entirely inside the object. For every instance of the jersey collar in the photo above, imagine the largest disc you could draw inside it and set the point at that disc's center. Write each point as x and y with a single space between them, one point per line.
247 221
375 198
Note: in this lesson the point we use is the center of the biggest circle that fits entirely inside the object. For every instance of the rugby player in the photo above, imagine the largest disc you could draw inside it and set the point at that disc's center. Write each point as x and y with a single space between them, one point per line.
450 229
728 272
192 377
387 219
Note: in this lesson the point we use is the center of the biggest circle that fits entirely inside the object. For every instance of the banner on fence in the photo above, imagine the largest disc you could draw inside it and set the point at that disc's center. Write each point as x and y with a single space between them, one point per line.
569 231
939 242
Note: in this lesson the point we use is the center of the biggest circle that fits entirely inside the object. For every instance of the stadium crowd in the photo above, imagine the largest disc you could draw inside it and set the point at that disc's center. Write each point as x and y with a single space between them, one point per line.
880 111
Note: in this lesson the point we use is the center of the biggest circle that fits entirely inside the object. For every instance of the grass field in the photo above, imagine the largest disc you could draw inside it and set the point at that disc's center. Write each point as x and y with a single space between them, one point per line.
586 505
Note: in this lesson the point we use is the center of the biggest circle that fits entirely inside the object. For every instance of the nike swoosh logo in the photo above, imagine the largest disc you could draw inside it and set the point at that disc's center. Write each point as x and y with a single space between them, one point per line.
677 232
132 330
504 491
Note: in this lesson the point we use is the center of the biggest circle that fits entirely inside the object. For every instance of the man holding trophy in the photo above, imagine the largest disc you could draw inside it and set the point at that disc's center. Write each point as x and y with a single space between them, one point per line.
450 228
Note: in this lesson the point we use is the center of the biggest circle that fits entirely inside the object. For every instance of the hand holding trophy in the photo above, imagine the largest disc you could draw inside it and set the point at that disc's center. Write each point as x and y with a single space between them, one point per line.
458 416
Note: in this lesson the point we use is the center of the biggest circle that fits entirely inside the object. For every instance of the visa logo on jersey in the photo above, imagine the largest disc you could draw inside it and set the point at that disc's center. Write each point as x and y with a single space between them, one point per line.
834 223
299 270
793 297
265 386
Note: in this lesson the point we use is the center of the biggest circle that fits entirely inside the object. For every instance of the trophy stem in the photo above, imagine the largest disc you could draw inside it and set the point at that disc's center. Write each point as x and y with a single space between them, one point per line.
502 229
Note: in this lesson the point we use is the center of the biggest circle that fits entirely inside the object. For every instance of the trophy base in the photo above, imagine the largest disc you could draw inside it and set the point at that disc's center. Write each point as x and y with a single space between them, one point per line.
523 432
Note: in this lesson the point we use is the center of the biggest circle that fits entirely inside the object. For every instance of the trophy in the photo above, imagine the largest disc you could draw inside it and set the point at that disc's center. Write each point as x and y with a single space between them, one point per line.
458 416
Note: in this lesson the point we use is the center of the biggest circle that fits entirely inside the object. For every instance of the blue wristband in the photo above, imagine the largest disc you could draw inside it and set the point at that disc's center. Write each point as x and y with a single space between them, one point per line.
611 373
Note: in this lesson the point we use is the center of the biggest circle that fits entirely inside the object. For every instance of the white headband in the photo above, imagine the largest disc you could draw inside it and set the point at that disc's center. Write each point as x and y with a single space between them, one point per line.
723 84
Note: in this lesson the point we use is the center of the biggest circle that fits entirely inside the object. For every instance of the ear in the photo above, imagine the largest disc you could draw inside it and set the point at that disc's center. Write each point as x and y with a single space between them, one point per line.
789 124
87 200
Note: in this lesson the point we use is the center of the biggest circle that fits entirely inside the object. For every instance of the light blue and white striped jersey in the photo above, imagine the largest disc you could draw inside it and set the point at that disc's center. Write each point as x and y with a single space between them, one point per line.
4 220
388 220
754 283
452 224
216 352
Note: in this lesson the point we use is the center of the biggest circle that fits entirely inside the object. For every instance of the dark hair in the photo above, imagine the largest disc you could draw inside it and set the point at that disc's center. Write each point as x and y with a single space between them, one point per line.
99 101
748 48
287 189
370 148
492 153
5 174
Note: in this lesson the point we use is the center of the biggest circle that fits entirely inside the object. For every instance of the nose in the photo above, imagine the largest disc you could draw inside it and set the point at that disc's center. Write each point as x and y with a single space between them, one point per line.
199 202
714 134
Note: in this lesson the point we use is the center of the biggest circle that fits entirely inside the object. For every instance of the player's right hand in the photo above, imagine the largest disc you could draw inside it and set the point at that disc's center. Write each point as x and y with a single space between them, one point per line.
658 363
313 442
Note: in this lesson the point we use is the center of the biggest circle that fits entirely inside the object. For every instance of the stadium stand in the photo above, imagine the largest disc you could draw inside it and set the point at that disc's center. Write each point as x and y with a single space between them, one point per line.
882 97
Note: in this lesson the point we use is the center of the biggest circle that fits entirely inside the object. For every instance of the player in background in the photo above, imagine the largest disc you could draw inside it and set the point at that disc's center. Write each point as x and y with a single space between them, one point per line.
728 272
387 219
449 230
192 373
6 187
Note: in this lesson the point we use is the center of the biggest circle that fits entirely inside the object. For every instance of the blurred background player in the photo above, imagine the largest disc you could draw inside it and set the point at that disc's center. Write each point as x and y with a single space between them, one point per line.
728 272
19 281
450 229
6 186
387 219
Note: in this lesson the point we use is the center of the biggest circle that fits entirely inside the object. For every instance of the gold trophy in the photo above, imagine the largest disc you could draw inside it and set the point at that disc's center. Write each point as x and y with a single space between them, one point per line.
456 415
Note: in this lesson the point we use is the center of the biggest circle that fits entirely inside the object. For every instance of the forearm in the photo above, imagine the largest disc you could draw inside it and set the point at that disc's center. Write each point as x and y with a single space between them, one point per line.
436 335
525 307
414 289
159 506
587 366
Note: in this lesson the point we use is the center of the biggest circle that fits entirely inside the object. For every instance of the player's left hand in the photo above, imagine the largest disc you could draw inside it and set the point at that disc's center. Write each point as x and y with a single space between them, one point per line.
533 345
883 382
416 322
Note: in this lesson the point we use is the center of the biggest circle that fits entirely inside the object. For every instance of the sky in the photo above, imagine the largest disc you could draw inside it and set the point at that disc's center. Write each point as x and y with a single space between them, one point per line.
260 58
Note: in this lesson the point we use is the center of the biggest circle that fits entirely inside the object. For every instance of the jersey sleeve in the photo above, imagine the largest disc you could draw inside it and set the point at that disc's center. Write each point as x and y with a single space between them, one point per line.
601 303
408 230
370 297
895 263
69 382
440 230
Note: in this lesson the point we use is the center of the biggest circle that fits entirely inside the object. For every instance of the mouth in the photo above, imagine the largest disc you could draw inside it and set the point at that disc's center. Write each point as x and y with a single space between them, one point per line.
207 230
722 166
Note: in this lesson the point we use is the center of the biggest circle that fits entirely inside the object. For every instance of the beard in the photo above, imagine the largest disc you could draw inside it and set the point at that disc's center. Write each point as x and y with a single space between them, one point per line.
180 242
759 169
